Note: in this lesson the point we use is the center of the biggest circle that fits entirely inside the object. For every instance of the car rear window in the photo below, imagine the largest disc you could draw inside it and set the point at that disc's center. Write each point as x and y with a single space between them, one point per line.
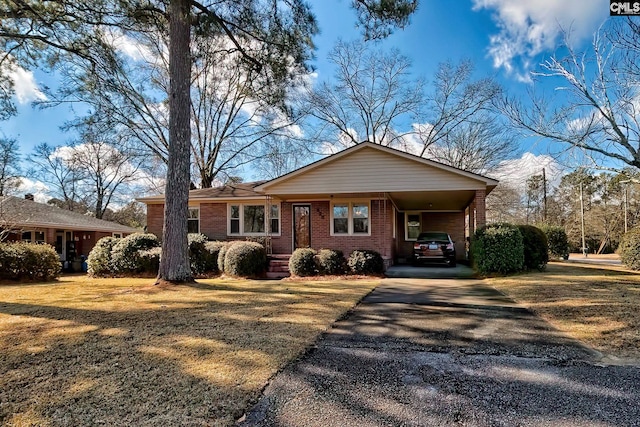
433 236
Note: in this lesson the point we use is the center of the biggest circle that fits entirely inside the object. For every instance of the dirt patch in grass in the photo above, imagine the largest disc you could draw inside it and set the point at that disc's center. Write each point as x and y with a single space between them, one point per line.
600 307
118 352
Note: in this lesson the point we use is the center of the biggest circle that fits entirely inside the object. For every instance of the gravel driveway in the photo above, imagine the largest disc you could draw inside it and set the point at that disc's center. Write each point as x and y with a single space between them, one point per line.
447 352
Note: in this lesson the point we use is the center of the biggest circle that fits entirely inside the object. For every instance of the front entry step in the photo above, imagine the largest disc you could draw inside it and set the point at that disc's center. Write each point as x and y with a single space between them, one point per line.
278 266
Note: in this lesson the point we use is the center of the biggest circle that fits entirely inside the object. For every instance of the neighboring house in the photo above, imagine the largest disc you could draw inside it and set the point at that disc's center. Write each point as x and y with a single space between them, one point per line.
71 233
365 197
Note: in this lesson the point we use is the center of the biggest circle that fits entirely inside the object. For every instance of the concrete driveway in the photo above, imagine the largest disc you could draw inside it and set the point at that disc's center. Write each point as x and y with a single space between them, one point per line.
445 352
429 271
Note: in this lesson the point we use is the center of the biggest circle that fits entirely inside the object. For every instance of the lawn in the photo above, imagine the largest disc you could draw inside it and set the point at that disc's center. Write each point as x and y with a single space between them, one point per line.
84 351
600 307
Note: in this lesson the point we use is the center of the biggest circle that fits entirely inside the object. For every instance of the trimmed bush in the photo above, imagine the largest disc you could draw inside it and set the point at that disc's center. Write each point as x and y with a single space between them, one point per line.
536 248
125 255
149 260
28 261
212 253
498 248
99 259
303 263
362 261
198 254
331 262
557 240
629 249
222 253
245 259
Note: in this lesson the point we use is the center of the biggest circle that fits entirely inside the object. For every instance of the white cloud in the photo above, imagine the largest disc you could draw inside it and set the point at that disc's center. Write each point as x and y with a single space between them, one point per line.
39 189
24 83
516 172
528 28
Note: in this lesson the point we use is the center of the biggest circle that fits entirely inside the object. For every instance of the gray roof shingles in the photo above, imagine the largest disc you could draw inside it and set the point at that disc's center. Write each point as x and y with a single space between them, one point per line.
16 212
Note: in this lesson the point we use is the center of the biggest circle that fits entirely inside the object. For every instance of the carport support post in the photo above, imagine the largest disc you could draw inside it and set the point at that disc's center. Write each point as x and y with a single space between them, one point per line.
477 216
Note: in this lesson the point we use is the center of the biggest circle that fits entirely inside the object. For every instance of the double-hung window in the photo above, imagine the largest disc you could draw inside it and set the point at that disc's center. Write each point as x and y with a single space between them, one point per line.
412 225
350 218
193 221
251 219
33 236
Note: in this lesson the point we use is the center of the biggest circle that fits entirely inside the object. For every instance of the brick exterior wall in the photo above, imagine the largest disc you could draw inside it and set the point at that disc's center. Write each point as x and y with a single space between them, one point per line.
155 219
481 209
213 223
449 222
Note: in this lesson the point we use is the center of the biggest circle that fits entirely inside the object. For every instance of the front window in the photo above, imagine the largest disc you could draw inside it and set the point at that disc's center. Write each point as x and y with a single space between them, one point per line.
413 225
251 219
340 219
193 221
350 218
33 236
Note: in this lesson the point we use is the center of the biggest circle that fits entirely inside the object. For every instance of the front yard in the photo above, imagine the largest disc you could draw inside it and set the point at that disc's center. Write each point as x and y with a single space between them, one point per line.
600 307
120 352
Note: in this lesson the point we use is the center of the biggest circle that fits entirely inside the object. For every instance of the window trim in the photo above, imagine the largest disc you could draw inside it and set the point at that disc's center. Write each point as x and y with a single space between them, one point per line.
32 234
197 208
350 203
267 225
406 224
116 235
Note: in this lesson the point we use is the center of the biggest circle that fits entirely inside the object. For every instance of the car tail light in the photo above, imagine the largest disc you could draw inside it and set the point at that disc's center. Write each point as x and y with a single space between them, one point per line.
450 246
416 246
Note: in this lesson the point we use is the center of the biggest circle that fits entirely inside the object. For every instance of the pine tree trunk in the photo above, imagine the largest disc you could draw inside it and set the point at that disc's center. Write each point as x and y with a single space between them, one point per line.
174 263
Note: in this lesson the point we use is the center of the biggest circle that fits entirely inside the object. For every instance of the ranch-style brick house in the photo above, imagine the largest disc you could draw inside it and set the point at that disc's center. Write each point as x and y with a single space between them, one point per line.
365 197
72 234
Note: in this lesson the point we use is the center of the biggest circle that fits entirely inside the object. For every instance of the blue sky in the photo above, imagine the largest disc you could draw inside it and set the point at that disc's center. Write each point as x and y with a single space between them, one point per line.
505 38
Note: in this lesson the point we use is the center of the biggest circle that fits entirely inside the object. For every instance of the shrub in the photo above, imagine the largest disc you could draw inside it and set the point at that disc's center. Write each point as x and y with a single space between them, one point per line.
536 248
222 253
365 262
212 253
498 248
303 263
245 259
149 260
125 255
99 259
198 254
629 249
28 261
331 261
557 240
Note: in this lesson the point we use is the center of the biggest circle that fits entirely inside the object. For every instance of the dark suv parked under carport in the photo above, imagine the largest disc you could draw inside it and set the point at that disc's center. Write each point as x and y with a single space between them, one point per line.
434 246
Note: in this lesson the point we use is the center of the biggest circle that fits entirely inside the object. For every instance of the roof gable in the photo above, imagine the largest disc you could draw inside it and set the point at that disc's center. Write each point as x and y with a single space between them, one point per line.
370 167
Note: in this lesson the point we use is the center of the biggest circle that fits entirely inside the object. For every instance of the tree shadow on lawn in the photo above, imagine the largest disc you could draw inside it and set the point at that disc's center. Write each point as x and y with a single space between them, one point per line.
193 363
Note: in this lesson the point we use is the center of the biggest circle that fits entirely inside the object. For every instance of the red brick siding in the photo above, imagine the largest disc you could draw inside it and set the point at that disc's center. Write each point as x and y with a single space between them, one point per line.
155 219
213 220
481 214
449 222
213 223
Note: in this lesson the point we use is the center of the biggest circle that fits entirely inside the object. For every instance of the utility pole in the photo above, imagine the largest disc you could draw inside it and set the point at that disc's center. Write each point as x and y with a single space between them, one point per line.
584 247
544 192
626 206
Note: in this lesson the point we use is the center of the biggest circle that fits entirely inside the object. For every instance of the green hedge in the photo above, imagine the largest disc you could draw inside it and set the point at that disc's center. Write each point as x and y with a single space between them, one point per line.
125 255
536 248
99 259
629 249
198 254
557 240
245 259
331 262
362 261
28 261
211 258
498 248
303 262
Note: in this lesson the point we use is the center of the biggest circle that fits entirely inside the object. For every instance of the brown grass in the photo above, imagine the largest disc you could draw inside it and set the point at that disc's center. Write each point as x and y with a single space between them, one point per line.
600 307
87 351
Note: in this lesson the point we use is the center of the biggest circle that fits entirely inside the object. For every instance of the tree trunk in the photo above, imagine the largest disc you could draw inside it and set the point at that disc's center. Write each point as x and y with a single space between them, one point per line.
174 262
